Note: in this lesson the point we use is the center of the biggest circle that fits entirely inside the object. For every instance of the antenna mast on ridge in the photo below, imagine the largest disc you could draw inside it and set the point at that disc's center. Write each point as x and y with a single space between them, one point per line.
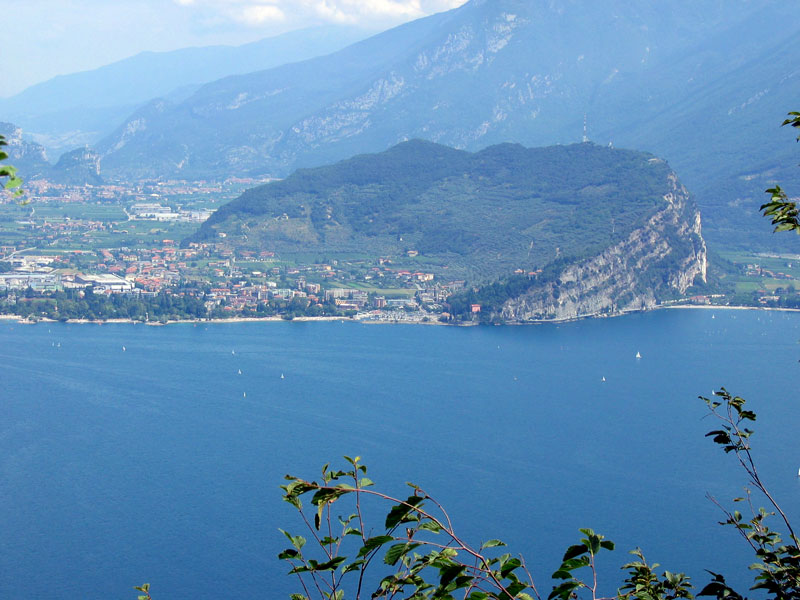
585 130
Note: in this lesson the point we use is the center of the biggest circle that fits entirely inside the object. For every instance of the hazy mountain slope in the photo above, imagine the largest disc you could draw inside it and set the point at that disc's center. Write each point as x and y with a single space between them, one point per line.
716 113
82 107
703 84
231 126
479 215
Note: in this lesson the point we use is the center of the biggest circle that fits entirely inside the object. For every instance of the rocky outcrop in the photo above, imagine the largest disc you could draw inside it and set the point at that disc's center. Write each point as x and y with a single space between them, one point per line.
78 167
29 157
661 258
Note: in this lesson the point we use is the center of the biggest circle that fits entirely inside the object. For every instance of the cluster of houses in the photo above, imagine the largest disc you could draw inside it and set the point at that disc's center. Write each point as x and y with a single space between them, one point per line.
233 280
759 271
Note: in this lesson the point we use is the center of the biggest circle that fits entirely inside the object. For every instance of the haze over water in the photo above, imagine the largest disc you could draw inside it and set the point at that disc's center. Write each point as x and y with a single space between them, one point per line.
161 463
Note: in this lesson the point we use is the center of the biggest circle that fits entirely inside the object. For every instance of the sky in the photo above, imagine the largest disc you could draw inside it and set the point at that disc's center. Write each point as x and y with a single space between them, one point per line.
44 38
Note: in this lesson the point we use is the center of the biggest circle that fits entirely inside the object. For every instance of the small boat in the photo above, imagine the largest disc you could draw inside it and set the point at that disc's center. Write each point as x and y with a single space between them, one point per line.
244 394
281 375
240 371
638 355
123 348
603 379
233 352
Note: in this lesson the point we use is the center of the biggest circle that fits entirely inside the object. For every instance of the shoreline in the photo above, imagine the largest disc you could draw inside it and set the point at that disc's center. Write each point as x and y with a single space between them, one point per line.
712 307
275 319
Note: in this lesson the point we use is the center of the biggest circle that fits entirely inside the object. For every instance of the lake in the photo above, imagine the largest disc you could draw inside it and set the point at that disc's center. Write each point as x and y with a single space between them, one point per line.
131 453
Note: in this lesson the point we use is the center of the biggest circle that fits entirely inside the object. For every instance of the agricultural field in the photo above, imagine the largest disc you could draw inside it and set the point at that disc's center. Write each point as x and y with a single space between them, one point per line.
763 272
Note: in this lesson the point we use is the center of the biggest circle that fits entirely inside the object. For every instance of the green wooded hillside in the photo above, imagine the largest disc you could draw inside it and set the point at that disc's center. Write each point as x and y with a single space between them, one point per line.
475 215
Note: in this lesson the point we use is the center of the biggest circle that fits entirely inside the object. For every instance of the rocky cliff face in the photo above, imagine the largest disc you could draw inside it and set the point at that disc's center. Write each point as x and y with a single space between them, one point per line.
29 157
660 258
78 167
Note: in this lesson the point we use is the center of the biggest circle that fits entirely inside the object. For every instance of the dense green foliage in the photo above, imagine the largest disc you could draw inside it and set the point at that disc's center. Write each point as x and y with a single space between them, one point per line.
479 215
74 304
8 174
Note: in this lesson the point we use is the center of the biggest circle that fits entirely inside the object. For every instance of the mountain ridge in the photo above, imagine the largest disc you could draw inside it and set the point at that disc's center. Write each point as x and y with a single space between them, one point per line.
77 109
647 75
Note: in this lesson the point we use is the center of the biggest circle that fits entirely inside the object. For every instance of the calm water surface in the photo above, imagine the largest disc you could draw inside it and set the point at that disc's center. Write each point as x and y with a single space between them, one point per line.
161 462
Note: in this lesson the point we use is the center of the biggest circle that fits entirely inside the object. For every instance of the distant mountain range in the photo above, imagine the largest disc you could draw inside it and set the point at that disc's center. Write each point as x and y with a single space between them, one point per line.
78 109
704 84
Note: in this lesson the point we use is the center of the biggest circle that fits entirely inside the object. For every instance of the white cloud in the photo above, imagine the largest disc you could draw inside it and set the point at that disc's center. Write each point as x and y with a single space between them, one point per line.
305 12
259 14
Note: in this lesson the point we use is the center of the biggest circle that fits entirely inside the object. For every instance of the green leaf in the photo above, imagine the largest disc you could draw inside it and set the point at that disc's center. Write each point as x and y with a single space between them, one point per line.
564 590
594 544
509 566
328 540
394 553
353 566
575 550
298 541
492 544
330 565
607 544
515 588
450 573
561 574
431 526
399 512
374 543
574 563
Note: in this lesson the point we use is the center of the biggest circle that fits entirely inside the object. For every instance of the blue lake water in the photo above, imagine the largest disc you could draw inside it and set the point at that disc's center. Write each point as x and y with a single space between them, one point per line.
161 463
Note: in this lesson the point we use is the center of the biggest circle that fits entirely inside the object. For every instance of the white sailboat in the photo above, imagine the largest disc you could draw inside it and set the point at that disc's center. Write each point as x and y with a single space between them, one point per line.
638 355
